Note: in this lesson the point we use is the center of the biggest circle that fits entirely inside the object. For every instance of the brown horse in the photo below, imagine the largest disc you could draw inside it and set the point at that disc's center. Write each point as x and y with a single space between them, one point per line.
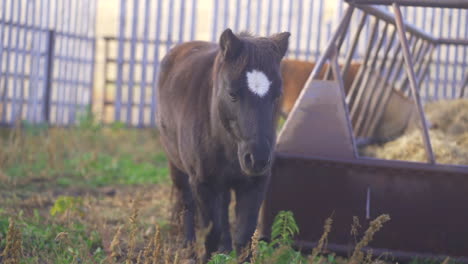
295 74
216 114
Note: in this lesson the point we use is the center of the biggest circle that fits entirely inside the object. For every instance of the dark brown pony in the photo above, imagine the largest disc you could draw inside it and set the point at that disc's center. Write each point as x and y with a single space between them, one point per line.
216 114
295 74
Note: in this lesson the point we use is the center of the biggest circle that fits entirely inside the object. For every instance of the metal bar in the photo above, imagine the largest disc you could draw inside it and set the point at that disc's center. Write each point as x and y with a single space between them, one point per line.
418 58
77 58
361 100
319 29
181 21
464 85
454 76
110 102
194 20
290 14
425 68
61 80
413 82
106 69
309 30
16 64
280 11
431 27
170 25
465 55
340 30
7 64
247 17
447 53
348 37
23 61
36 112
139 40
463 4
75 67
226 14
90 20
63 88
214 33
388 17
355 41
269 18
156 64
237 17
32 53
338 46
120 57
384 97
141 113
336 71
439 51
364 119
352 91
259 17
92 72
131 71
299 27
49 75
2 36
420 62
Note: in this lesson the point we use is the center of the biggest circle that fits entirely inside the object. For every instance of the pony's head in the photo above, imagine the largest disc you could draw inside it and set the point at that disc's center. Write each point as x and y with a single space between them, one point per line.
248 86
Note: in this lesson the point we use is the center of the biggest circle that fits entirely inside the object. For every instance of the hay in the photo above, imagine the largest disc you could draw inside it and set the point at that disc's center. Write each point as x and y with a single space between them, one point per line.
448 132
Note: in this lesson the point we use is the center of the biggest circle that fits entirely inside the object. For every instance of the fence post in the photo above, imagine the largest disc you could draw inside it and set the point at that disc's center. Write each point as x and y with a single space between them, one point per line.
49 74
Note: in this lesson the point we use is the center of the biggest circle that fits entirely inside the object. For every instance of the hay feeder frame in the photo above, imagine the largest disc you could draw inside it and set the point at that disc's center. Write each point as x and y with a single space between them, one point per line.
318 173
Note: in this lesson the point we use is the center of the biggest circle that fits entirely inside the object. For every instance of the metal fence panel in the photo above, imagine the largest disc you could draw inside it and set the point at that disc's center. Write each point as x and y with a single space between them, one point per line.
29 28
147 30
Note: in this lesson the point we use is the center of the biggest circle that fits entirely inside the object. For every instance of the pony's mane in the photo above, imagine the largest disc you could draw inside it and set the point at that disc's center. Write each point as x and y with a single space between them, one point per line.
245 34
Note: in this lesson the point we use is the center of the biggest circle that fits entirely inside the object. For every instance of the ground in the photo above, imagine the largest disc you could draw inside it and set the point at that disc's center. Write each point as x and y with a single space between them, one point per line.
101 194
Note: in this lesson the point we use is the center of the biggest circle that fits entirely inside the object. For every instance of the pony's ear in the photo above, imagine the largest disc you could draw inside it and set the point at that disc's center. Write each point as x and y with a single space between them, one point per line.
230 45
281 40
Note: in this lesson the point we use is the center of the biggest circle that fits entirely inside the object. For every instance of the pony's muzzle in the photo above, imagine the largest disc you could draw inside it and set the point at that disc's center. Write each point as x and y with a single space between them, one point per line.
255 159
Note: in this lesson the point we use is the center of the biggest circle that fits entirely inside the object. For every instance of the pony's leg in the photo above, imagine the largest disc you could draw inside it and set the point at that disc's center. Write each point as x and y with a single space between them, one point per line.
226 241
185 204
249 197
209 203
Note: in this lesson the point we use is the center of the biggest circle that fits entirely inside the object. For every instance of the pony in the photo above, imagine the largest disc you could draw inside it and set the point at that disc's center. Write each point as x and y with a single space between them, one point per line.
217 118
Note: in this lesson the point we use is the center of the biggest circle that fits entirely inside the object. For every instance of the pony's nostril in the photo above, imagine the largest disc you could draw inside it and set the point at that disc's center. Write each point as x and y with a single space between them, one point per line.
249 160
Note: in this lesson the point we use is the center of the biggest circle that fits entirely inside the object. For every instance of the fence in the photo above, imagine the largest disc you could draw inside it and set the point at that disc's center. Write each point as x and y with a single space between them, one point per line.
47 49
147 30
46 59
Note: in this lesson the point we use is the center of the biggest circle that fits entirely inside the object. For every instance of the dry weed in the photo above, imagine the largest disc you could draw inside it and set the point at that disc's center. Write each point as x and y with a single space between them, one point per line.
157 245
133 230
115 248
254 246
13 248
446 260
322 241
374 227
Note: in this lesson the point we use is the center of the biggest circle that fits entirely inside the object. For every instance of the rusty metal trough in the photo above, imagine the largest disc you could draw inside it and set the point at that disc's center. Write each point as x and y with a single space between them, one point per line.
318 173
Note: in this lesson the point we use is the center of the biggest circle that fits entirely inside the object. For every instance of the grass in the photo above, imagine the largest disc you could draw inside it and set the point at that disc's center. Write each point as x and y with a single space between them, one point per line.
95 194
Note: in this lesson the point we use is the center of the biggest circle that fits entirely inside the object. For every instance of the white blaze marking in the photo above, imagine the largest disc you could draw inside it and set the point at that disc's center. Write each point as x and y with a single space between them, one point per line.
258 82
